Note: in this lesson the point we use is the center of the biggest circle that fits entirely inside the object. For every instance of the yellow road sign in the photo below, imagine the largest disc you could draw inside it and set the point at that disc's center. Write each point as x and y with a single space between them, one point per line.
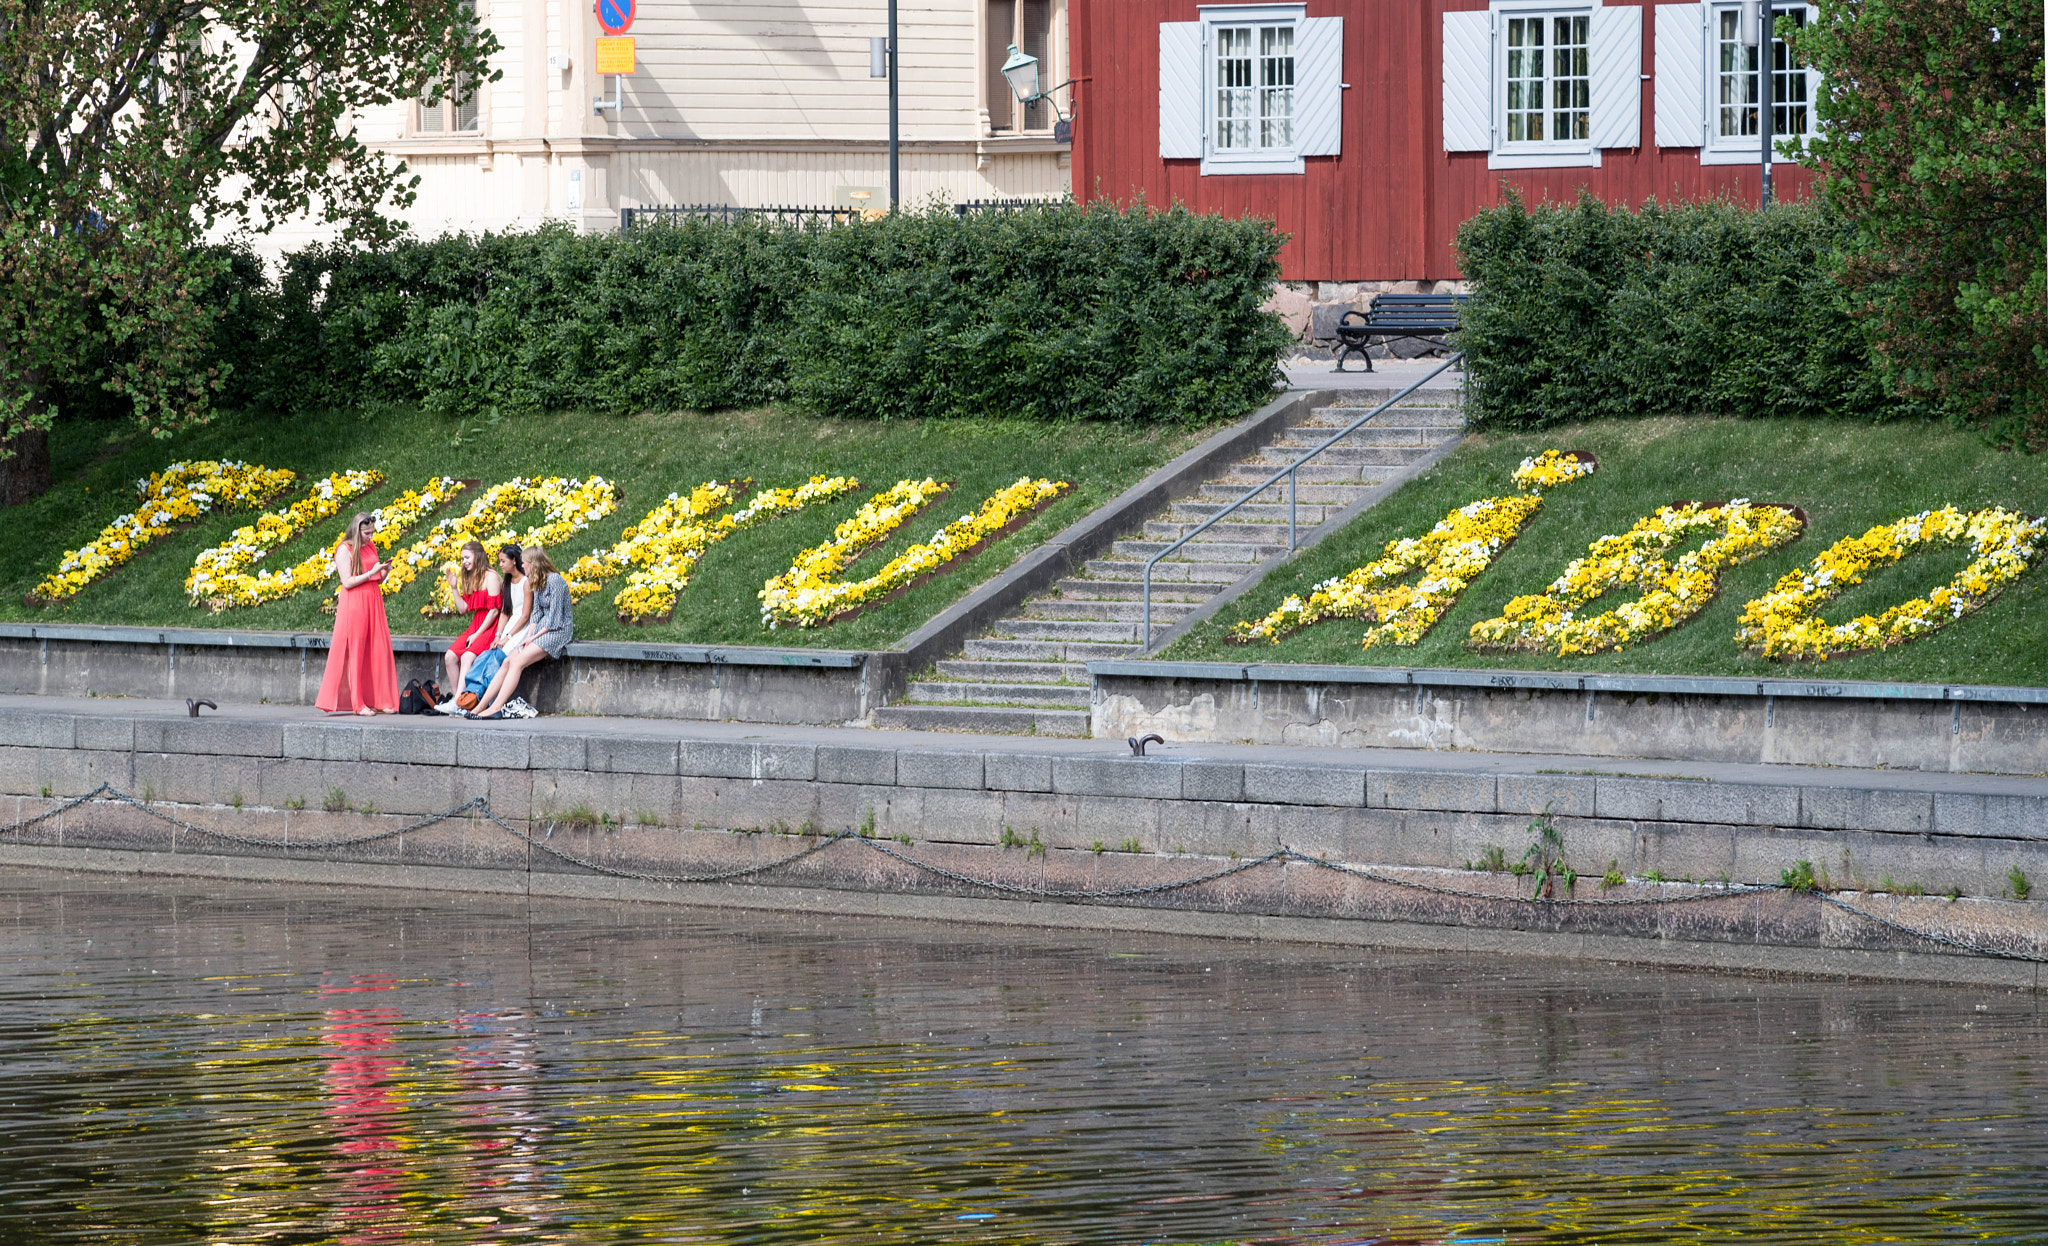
615 56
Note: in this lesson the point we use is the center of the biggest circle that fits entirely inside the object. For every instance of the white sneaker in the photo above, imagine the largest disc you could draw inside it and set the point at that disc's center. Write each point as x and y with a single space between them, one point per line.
518 708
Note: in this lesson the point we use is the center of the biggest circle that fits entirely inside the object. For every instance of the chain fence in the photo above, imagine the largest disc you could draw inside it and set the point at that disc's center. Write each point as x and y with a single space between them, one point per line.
479 808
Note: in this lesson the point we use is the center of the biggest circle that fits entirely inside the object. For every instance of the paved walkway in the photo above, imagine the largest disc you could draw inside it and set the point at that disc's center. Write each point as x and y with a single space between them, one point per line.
965 742
1386 374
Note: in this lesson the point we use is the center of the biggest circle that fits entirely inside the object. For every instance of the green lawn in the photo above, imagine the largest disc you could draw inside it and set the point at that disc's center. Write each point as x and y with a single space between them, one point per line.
1846 476
647 455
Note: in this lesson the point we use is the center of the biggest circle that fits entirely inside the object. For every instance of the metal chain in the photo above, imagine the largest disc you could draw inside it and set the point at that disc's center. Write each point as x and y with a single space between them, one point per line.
1932 936
1049 894
482 806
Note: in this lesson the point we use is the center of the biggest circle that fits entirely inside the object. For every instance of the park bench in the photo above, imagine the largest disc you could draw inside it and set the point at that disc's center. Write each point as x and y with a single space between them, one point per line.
1395 315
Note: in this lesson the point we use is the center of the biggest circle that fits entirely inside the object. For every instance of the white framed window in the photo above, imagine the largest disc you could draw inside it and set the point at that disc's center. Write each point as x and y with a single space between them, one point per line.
1542 85
1707 87
1033 28
1732 89
447 107
1251 88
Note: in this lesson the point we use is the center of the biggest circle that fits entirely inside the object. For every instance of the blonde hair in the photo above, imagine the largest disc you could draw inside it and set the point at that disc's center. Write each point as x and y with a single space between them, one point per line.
353 537
471 580
538 567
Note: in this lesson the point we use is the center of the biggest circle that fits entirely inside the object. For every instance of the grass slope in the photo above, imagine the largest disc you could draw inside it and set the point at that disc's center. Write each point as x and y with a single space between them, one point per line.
1847 477
647 455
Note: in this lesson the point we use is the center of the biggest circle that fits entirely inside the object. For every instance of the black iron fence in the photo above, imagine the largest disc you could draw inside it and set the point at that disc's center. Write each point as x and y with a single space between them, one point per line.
790 214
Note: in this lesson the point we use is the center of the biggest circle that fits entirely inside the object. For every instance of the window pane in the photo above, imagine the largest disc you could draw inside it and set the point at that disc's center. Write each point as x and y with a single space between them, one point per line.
1034 38
1571 87
468 114
1735 84
1788 80
1525 80
433 116
1234 87
1276 86
1001 31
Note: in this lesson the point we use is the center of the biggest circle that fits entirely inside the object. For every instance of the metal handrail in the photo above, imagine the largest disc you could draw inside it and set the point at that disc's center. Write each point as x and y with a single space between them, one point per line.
1292 487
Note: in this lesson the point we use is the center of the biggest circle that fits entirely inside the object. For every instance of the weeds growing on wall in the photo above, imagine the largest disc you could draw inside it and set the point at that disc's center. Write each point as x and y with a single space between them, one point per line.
1069 312
1582 311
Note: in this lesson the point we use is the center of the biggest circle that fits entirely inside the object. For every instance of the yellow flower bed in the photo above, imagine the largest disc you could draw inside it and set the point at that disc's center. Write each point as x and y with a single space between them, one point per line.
807 595
178 494
1451 555
221 577
1672 592
1553 467
664 547
1785 622
567 507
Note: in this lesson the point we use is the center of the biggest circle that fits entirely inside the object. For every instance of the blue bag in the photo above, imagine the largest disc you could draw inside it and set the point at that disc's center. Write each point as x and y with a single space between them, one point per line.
482 670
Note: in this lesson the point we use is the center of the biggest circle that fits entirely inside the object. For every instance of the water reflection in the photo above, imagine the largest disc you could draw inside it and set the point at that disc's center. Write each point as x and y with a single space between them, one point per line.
238 1065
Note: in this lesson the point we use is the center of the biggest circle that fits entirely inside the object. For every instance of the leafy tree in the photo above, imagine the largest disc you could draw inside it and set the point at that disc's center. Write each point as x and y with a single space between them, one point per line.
1932 147
130 130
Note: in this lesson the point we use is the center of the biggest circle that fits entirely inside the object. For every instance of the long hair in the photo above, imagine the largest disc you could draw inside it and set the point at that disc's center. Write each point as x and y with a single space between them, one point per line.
480 566
517 555
355 538
538 567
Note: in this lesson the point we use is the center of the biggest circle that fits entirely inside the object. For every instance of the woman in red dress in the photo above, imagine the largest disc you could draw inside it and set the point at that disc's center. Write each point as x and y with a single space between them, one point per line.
476 586
362 672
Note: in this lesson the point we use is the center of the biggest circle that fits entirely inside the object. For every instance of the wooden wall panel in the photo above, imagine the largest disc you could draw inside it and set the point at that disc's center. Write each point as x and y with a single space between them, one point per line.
1389 206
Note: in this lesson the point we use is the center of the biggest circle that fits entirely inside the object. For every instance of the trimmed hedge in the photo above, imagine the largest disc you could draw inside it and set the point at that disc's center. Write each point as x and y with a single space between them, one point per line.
1062 313
1580 311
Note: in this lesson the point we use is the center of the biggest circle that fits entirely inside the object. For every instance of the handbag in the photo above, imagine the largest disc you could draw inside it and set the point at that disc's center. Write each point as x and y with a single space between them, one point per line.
480 674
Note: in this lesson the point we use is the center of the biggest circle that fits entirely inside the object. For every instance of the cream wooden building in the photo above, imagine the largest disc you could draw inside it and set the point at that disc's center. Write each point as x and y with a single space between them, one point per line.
754 103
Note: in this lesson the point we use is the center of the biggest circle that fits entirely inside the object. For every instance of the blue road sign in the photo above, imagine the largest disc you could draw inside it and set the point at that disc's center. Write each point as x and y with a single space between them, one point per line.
616 16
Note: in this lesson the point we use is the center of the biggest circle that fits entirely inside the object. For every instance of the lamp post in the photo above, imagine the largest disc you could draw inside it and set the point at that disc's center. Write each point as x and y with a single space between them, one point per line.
1756 24
882 64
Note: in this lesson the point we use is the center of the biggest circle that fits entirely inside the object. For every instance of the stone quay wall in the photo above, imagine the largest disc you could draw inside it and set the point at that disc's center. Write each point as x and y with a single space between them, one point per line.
1954 729
637 816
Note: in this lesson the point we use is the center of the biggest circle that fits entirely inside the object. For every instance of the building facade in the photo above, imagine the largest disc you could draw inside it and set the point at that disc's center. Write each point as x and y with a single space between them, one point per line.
1368 129
747 104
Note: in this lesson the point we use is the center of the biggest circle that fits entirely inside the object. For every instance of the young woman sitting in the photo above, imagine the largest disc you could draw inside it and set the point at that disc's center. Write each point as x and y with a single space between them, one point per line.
552 628
477 586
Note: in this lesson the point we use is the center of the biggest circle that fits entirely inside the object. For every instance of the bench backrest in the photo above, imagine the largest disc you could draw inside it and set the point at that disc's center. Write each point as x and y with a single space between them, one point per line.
1415 309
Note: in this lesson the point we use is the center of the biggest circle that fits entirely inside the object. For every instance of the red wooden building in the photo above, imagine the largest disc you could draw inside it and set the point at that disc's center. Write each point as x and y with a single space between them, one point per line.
1368 129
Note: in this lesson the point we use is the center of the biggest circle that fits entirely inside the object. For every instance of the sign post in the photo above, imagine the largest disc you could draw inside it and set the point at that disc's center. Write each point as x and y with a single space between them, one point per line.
615 52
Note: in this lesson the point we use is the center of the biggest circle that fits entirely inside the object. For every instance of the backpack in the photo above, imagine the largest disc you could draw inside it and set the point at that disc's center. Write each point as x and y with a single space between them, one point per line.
413 700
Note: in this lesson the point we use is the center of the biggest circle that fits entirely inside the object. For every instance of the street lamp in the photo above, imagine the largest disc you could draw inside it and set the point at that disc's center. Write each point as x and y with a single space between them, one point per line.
1021 72
1754 30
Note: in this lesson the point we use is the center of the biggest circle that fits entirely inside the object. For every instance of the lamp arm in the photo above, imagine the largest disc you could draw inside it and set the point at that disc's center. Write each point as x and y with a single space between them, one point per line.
1046 95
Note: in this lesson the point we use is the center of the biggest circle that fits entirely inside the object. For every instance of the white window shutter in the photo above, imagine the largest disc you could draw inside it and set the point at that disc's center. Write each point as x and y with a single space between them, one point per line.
1468 81
1180 90
1319 86
1680 66
1617 75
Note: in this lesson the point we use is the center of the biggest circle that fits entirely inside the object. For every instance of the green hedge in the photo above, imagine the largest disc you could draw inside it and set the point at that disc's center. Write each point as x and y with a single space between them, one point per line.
1580 311
1060 313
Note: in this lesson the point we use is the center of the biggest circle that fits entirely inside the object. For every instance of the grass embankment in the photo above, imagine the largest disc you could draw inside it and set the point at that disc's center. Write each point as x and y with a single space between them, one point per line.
648 456
1848 477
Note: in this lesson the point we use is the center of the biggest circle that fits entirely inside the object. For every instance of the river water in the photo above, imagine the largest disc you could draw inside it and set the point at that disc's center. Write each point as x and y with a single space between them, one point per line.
191 1062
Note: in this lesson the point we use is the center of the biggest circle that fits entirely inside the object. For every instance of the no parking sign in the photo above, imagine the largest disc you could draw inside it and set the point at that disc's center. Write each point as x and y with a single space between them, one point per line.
616 16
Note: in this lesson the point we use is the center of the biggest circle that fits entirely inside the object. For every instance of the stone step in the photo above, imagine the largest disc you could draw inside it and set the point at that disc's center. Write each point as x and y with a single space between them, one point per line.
1441 413
1245 475
1280 454
995 720
1228 530
1065 629
1330 494
1205 551
1129 590
1308 436
1054 608
1046 696
1218 573
1013 671
985 649
1191 513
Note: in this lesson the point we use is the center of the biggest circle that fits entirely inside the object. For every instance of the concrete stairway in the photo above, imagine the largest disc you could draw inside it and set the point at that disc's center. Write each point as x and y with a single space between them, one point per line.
1027 675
